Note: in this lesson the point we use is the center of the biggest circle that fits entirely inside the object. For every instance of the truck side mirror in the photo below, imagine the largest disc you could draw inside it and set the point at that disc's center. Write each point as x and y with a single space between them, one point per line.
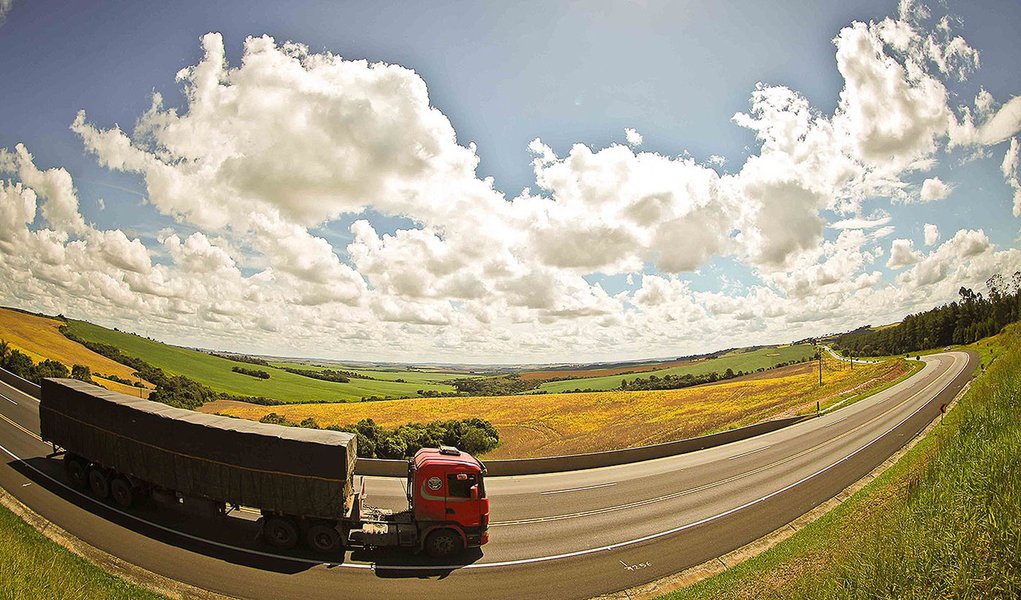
474 492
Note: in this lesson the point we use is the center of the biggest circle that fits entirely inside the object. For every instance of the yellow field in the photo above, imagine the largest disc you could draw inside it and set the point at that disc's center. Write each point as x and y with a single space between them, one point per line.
39 338
552 424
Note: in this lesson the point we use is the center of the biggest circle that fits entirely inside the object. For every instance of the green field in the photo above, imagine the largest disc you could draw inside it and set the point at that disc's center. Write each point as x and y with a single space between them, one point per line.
738 360
216 372
414 377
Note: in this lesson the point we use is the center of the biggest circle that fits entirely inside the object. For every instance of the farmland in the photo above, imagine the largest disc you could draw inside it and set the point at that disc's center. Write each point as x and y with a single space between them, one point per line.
415 377
551 424
216 372
737 360
40 339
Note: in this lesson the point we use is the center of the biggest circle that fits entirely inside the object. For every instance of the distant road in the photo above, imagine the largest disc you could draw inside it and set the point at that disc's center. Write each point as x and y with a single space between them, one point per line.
564 535
852 360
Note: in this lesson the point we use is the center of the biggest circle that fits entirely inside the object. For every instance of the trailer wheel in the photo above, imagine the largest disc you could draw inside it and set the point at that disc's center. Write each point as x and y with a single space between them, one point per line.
99 483
280 533
123 492
324 539
77 470
443 543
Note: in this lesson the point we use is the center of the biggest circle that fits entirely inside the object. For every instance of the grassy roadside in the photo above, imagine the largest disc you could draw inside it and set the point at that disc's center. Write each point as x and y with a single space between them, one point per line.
32 566
944 521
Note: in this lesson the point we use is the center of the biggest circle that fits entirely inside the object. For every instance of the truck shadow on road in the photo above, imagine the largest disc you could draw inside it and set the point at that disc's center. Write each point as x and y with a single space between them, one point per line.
397 564
230 539
233 539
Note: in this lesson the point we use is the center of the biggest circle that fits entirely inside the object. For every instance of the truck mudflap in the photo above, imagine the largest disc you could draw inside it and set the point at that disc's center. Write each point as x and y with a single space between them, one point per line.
476 536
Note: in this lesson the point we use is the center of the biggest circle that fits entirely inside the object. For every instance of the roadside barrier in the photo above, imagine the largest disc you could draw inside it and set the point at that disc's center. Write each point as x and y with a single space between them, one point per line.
592 460
20 383
547 464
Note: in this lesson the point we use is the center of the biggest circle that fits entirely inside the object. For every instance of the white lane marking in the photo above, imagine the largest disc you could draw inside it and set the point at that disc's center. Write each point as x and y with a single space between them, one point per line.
579 489
23 430
26 484
8 399
505 563
837 421
14 389
749 452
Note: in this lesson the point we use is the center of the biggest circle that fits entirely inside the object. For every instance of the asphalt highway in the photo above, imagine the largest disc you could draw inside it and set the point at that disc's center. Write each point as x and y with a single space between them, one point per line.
563 535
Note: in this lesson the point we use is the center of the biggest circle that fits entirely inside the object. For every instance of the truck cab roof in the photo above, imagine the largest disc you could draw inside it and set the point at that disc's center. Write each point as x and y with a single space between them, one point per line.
447 456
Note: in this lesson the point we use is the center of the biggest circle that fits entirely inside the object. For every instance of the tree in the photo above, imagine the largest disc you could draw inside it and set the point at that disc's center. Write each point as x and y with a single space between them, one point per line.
49 368
81 372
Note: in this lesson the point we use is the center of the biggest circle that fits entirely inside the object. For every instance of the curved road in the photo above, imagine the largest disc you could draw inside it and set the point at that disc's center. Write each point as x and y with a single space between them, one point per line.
562 535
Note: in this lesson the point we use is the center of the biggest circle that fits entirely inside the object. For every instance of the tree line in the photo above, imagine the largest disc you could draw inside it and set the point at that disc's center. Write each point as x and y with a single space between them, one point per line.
252 360
21 364
258 373
472 435
966 320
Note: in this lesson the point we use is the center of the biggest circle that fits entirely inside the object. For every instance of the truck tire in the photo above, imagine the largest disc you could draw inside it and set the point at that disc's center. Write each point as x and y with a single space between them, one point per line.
280 533
324 539
99 483
77 470
123 492
443 543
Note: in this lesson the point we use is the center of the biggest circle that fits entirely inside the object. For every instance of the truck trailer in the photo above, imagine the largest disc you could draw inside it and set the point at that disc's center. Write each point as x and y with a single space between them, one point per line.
301 480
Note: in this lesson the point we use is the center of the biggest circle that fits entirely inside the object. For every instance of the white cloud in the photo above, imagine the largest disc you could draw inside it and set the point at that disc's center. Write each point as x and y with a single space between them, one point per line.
877 219
5 9
902 254
1009 168
633 137
934 189
263 157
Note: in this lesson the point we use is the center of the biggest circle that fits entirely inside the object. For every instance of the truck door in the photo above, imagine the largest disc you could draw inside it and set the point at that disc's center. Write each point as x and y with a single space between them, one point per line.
461 507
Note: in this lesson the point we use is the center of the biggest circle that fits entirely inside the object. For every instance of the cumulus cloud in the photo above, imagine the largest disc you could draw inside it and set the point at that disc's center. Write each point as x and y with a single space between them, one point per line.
633 137
1009 168
902 254
934 189
264 156
5 9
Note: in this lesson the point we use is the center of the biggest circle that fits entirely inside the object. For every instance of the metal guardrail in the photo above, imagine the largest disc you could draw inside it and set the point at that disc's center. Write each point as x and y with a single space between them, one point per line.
547 464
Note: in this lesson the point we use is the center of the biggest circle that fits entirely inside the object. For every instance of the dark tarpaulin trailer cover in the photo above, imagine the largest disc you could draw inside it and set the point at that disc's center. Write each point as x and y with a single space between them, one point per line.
290 470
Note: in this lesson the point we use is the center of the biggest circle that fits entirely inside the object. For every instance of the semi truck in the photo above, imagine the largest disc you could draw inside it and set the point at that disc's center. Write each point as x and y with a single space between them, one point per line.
125 449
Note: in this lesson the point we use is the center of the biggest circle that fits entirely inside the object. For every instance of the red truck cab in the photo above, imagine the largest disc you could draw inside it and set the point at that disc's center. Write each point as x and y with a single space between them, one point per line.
447 494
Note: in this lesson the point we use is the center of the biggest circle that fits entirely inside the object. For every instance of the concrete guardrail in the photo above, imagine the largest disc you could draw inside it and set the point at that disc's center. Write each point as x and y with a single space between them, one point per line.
20 383
548 464
574 462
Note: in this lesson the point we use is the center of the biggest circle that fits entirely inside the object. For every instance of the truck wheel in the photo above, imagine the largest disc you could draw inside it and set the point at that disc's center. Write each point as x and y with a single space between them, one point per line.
99 483
77 471
280 533
123 492
324 539
443 543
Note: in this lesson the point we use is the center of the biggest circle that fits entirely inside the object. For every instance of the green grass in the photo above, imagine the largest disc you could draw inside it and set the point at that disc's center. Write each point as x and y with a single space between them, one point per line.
32 566
943 522
216 372
738 360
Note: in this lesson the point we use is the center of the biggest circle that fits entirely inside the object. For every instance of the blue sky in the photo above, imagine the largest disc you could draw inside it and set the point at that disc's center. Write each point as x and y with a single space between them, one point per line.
556 281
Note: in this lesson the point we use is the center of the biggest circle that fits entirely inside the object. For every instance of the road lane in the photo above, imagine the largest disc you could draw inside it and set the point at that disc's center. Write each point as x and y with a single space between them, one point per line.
617 526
